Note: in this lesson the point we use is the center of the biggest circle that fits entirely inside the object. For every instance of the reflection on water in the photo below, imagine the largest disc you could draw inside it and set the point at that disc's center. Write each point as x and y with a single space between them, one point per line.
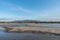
26 36
13 25
2 29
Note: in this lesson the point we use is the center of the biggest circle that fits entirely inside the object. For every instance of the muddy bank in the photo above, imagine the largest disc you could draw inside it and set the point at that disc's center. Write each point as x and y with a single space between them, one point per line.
55 31
39 32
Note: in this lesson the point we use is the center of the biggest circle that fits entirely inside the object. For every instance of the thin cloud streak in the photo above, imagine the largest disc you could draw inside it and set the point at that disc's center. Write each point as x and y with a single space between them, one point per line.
15 7
52 12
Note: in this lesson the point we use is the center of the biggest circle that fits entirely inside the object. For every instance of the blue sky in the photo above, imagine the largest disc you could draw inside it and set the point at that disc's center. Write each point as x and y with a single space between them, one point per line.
44 10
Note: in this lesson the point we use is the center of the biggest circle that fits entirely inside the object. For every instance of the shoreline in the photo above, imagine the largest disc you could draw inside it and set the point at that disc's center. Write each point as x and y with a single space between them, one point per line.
55 31
35 32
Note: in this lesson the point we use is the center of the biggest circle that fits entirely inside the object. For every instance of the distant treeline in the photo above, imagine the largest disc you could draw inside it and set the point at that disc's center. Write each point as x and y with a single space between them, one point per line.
30 22
41 22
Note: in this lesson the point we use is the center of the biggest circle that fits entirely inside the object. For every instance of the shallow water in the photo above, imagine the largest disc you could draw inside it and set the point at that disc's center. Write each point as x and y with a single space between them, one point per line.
12 24
51 25
26 36
38 25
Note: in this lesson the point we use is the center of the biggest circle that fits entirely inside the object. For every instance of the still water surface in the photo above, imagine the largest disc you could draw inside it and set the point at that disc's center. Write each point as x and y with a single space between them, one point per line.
51 25
38 25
